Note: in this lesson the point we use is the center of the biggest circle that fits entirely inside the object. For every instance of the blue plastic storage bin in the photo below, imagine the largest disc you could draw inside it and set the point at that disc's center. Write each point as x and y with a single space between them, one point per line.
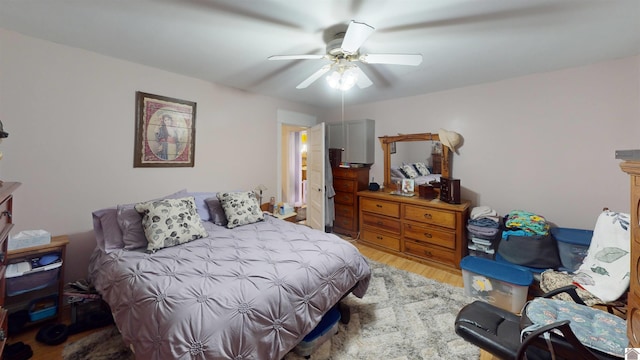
573 245
500 284
326 328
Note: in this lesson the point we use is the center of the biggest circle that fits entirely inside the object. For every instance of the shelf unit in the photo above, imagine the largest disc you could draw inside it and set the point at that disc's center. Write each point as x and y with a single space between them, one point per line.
19 302
6 224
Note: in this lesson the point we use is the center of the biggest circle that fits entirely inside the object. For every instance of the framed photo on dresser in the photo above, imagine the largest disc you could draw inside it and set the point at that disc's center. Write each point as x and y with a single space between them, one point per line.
408 185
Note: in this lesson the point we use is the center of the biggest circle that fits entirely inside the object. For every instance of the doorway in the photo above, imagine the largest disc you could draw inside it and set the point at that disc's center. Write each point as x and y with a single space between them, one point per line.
294 165
290 185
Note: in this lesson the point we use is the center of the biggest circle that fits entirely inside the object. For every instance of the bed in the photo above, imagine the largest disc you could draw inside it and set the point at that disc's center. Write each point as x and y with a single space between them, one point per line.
249 292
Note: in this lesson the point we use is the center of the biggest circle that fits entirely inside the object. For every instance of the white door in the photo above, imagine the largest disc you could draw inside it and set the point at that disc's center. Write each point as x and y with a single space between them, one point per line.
315 177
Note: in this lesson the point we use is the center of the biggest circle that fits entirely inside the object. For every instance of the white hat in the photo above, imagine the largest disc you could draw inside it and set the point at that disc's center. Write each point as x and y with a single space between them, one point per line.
450 139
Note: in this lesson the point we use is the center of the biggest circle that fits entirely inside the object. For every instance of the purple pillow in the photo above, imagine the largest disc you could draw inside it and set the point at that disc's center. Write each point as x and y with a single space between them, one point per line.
201 207
107 230
130 222
216 211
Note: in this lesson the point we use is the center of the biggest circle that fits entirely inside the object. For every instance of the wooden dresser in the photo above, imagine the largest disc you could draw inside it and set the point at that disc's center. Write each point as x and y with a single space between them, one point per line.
413 227
633 303
6 224
347 182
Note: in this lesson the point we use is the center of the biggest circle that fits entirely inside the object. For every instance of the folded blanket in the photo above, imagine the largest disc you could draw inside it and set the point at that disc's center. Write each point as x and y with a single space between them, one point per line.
484 222
484 212
484 232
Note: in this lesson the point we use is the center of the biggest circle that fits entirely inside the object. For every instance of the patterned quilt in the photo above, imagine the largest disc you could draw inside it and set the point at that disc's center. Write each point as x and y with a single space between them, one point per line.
252 292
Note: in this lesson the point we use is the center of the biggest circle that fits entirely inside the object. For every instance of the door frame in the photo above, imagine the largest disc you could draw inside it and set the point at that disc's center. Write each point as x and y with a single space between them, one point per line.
291 118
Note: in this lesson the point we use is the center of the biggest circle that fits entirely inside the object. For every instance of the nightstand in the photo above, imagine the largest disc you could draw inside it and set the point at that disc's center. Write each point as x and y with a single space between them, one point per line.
46 286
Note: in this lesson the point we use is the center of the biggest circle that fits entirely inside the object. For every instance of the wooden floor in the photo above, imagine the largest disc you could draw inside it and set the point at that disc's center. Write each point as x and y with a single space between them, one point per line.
45 352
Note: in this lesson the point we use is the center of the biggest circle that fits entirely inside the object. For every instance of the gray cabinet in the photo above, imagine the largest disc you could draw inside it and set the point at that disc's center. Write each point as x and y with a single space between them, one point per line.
356 137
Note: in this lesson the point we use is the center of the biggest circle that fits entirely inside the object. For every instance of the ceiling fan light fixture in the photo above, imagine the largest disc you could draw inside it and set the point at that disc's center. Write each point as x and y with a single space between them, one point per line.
342 78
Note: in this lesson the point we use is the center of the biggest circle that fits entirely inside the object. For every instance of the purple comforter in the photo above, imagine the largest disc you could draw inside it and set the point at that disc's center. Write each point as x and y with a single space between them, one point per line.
252 292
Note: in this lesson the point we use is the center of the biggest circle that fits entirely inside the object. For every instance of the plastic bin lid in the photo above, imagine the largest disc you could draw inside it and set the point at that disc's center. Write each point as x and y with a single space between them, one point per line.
328 320
572 236
497 270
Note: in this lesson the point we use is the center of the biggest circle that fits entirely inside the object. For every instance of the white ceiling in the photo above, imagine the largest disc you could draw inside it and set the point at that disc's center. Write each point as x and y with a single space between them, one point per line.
228 41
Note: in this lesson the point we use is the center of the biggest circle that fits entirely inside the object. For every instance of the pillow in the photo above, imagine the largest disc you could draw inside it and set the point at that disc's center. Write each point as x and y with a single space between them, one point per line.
107 230
397 173
130 222
216 211
201 206
170 222
422 168
410 171
240 208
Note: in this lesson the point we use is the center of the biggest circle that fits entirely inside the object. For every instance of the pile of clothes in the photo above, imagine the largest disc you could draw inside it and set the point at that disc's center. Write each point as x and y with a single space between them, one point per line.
484 231
526 241
524 223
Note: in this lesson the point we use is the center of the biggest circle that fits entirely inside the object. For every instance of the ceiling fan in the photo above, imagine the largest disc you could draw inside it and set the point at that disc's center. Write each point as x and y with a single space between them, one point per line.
343 52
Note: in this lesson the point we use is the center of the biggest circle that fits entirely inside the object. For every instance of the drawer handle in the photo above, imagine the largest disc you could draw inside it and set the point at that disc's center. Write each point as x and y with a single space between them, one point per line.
6 213
427 216
428 235
379 223
428 253
379 237
378 205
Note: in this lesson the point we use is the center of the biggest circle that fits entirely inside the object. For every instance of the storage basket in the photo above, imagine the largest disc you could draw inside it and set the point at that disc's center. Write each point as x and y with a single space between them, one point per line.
43 308
32 281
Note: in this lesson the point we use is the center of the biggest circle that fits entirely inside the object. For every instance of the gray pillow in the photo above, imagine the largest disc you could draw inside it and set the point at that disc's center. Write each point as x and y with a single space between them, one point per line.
201 206
216 211
107 230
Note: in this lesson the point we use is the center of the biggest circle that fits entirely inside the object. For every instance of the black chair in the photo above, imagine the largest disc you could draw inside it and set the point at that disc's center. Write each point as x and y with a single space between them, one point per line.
498 332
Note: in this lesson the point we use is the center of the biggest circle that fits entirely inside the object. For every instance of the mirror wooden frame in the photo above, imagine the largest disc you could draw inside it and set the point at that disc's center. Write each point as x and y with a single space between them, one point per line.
386 142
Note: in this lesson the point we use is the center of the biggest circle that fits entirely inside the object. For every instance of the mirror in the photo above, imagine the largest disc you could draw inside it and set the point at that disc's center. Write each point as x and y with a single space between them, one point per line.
407 147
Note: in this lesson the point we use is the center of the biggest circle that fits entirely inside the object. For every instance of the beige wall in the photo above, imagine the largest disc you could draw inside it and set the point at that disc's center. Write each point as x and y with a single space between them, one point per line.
70 116
543 143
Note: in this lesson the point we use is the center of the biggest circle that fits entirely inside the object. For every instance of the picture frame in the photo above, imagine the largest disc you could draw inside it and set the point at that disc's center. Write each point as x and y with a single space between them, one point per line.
392 148
408 185
165 133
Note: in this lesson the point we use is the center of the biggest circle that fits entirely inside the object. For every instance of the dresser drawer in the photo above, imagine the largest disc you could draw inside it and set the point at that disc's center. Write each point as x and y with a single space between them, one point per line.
380 222
344 173
381 207
430 252
344 185
430 216
424 234
344 198
387 241
344 211
346 223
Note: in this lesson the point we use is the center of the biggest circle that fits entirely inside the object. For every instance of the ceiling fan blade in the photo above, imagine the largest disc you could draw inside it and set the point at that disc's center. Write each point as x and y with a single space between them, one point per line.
363 79
296 57
357 33
314 77
393 59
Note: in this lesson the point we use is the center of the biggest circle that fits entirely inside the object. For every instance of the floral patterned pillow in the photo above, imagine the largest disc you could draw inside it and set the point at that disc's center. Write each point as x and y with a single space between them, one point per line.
241 208
422 168
170 222
410 171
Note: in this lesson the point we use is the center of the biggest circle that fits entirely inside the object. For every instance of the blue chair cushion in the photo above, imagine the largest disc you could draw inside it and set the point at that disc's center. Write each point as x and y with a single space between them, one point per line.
594 328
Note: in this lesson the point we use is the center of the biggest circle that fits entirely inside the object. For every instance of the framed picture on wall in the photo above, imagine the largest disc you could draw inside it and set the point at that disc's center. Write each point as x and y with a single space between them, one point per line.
165 131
